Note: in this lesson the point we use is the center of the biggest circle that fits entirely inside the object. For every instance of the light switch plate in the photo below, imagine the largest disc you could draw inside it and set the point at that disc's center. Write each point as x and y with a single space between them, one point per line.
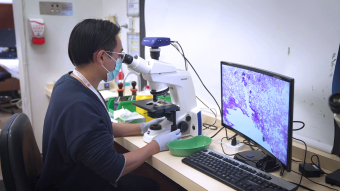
55 8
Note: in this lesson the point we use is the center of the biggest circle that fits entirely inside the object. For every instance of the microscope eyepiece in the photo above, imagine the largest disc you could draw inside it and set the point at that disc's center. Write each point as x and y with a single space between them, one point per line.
128 59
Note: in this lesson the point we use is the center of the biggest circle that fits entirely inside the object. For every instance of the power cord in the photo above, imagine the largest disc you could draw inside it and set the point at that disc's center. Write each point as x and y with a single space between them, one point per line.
217 132
207 126
296 160
212 127
185 62
212 123
251 144
304 160
319 164
303 125
313 182
223 148
172 43
207 107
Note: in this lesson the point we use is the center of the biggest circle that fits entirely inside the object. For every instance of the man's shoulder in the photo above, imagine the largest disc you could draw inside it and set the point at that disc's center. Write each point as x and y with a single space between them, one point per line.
64 79
69 91
66 85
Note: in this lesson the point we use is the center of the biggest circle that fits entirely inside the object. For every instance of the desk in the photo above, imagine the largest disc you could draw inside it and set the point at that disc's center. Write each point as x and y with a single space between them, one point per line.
192 179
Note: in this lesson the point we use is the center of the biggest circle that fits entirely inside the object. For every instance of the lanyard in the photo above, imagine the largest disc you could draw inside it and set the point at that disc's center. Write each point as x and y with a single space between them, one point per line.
88 85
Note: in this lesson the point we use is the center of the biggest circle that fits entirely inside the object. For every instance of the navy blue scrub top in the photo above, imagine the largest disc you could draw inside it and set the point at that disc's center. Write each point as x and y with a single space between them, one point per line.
77 141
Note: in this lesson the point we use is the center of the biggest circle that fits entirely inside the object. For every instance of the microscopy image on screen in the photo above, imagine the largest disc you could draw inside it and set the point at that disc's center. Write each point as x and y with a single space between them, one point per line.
257 105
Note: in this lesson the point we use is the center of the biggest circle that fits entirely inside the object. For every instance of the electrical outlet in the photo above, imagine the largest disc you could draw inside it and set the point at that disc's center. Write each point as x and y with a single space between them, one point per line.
237 147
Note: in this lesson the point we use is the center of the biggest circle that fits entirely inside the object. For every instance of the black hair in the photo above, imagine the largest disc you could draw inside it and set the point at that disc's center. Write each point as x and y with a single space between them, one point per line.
89 36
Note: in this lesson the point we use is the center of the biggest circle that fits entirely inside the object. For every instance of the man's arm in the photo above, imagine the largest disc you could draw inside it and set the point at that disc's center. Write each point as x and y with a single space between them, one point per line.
123 130
136 158
160 143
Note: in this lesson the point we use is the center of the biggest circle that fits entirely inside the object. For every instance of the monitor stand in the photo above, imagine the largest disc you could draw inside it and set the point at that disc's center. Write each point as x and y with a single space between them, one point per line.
256 159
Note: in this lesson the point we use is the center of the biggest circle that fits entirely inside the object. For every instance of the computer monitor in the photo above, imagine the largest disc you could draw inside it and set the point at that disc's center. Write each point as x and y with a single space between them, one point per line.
258 105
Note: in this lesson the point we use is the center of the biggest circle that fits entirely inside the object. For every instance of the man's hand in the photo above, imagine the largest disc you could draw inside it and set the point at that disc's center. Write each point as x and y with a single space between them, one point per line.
164 138
144 126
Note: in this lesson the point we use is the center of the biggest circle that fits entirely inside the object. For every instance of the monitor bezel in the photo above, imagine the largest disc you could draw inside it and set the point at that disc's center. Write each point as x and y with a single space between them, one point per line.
291 109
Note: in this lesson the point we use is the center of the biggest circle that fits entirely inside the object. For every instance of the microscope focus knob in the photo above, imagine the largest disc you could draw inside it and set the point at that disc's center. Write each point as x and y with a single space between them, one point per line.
183 126
155 127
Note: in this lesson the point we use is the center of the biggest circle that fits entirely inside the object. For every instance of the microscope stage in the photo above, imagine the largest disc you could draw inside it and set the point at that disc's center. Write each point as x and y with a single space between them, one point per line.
156 109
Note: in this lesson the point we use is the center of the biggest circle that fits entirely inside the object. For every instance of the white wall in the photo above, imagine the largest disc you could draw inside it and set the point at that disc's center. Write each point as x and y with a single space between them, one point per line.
48 62
258 33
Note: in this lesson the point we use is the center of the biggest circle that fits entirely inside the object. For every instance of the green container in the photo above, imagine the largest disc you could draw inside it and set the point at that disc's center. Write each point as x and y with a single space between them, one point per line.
128 104
186 147
111 103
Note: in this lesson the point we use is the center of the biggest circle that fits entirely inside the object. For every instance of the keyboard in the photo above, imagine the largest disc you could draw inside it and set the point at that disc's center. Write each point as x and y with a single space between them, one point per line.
234 173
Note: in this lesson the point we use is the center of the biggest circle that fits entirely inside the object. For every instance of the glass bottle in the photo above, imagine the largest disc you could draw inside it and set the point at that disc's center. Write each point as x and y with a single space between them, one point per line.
133 90
120 97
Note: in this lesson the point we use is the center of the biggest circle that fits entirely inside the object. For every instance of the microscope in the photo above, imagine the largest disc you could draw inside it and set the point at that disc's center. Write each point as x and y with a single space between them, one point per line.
182 113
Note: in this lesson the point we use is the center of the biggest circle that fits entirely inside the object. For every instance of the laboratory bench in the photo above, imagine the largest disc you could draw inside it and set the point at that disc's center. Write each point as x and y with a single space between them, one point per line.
191 179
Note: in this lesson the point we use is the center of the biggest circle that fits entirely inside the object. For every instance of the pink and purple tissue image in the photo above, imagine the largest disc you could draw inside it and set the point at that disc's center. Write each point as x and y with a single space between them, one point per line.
257 105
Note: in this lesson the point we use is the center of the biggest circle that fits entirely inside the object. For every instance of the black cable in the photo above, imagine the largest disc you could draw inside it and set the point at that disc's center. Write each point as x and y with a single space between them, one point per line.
217 132
200 79
303 125
304 160
313 161
185 62
296 160
282 169
186 65
223 149
319 164
210 125
226 135
207 107
315 182
250 144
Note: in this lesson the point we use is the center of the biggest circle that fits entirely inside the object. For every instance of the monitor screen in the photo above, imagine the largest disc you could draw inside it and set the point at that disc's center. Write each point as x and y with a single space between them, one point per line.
258 105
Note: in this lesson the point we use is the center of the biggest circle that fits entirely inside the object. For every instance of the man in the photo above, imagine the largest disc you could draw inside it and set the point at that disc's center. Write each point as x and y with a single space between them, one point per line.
78 151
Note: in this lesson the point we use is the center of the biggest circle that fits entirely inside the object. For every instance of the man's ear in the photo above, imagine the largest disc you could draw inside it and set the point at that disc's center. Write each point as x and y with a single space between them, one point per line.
100 57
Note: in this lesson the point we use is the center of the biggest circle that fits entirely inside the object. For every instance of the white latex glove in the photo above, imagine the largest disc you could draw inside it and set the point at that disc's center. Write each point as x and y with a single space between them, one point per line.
164 138
144 126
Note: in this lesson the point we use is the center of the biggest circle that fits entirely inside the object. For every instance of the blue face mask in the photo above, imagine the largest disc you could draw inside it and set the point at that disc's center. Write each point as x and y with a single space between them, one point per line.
111 75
